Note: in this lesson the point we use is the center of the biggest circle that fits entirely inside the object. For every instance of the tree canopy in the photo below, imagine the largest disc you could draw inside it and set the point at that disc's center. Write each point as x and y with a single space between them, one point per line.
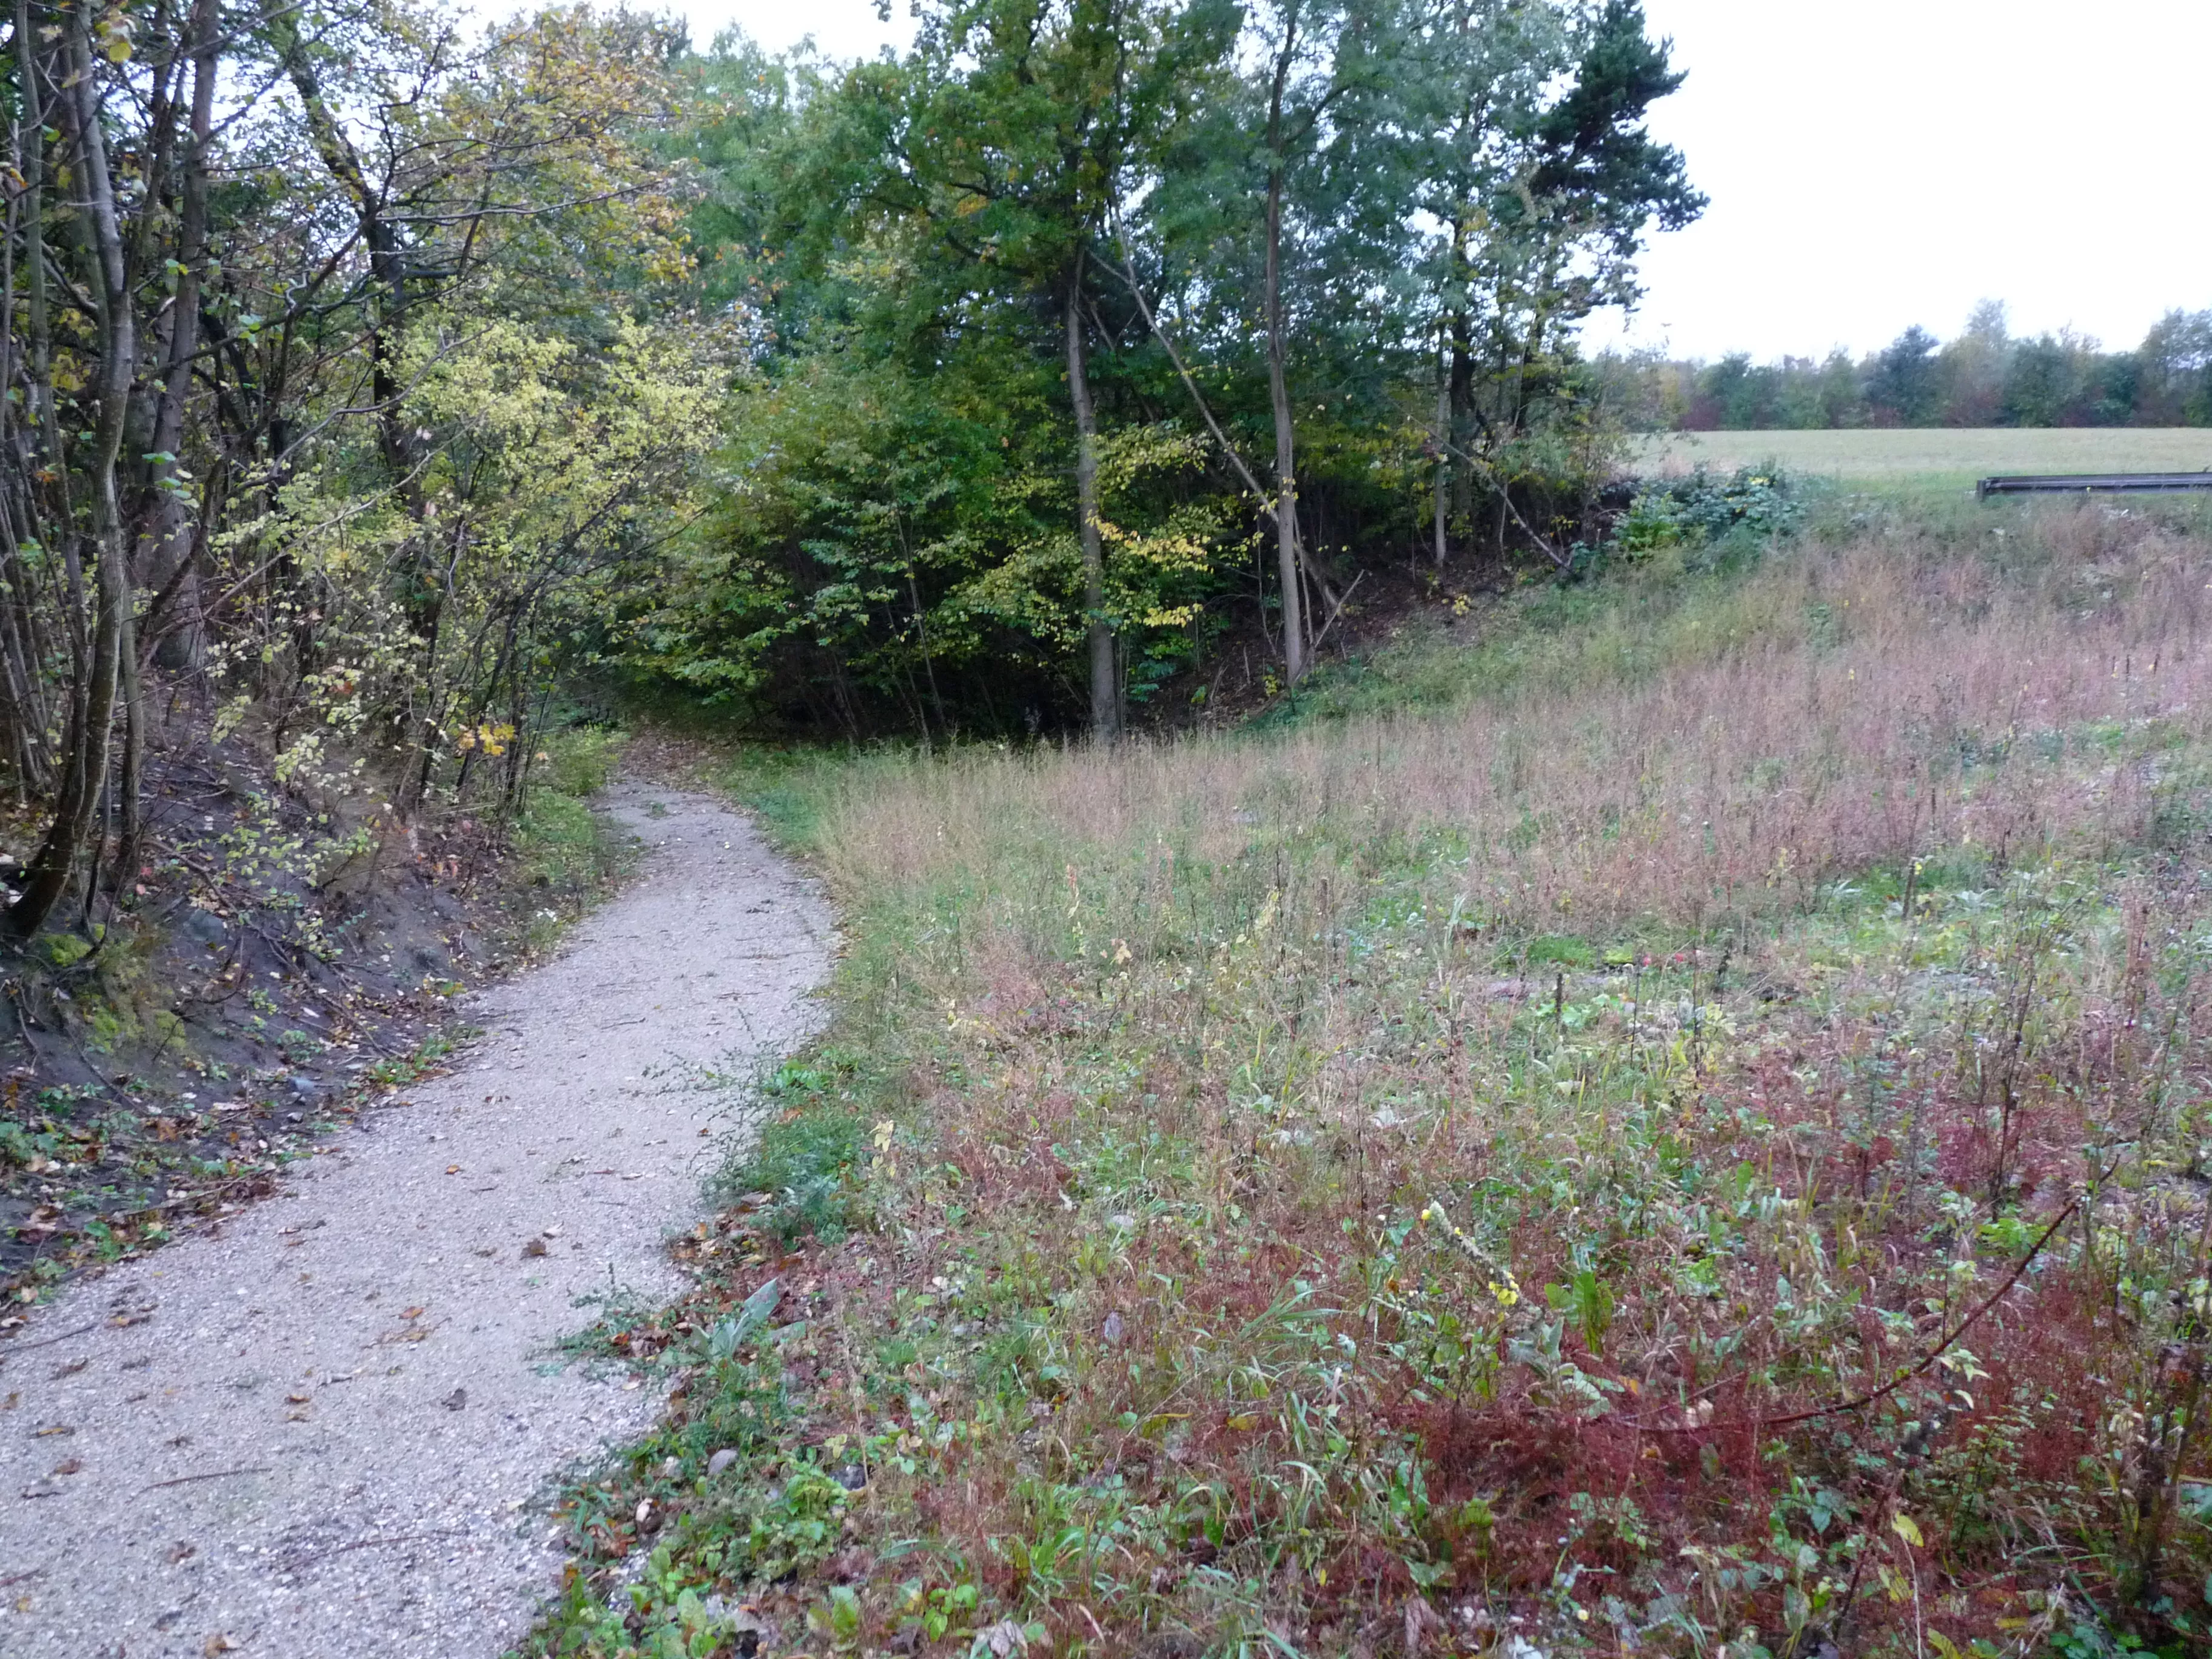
370 378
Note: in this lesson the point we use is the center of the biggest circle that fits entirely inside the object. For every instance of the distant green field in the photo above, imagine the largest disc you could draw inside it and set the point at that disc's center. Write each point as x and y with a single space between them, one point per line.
1937 457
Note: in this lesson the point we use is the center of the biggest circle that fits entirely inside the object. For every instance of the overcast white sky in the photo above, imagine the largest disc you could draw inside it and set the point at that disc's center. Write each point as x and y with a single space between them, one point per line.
1877 163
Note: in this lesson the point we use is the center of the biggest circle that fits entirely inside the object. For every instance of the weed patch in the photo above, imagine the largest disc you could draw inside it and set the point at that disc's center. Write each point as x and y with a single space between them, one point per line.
1702 1154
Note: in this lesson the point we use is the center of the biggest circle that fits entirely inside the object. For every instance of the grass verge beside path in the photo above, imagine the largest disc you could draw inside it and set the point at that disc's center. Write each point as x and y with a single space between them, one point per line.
1699 1147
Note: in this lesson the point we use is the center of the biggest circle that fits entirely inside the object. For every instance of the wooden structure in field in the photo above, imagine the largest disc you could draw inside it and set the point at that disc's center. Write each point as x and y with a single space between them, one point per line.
2089 483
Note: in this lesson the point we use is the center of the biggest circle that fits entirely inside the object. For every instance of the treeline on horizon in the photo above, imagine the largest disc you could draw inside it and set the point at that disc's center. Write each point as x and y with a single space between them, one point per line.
1986 376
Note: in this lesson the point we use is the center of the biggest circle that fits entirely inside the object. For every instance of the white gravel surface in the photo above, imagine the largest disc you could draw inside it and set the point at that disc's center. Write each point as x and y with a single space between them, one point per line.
330 1429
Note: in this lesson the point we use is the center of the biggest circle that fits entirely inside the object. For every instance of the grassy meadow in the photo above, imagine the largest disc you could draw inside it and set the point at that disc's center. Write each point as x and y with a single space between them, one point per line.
1944 458
1694 1146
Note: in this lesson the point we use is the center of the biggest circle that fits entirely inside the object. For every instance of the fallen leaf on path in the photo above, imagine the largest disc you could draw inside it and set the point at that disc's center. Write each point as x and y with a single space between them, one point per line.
452 1169
218 1643
51 1428
297 1399
75 1465
536 1247
411 1313
1421 1619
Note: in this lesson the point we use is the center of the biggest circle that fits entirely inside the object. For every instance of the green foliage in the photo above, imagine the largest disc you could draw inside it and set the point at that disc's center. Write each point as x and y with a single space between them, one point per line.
808 1151
580 761
904 552
398 429
916 532
1697 510
565 853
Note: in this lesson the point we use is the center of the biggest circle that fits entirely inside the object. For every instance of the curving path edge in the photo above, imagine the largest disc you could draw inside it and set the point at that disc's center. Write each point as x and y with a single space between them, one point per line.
326 1431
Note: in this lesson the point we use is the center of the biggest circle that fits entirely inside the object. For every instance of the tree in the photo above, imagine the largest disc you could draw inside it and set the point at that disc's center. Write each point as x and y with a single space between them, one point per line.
66 85
1079 228
220 310
2061 379
1312 61
1014 128
1546 196
2176 360
1971 368
1903 389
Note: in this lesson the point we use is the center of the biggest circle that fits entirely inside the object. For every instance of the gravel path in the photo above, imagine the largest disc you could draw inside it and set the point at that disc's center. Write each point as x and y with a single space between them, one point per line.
328 1430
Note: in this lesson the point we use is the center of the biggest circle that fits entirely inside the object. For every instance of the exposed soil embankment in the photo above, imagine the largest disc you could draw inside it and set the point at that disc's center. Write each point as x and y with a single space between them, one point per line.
279 960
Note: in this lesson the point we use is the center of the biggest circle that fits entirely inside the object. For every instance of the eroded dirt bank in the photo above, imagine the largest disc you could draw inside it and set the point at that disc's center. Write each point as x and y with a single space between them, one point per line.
327 1430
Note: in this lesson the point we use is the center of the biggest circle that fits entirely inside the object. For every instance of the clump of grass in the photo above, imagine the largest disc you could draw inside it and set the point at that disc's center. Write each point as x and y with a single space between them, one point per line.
566 854
1700 1147
580 761
802 1159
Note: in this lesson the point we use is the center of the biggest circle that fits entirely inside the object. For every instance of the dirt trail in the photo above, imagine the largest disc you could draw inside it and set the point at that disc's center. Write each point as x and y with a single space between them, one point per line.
327 1432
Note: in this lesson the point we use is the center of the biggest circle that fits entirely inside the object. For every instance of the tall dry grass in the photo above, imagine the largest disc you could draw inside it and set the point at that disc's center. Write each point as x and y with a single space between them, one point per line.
1701 1147
1847 706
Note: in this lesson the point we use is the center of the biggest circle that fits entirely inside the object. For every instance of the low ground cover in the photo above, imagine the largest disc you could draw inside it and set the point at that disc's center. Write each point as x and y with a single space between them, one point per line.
1696 1148
1948 456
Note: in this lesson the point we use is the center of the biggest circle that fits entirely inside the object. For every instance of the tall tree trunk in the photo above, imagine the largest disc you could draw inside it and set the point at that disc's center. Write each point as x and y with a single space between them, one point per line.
1459 375
171 546
1289 560
392 287
1440 506
131 839
928 664
1105 683
1289 563
26 716
82 783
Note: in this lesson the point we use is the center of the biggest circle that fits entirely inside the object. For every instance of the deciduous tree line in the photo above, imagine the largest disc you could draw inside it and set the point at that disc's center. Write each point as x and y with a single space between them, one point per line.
1985 376
347 360
369 374
1090 323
